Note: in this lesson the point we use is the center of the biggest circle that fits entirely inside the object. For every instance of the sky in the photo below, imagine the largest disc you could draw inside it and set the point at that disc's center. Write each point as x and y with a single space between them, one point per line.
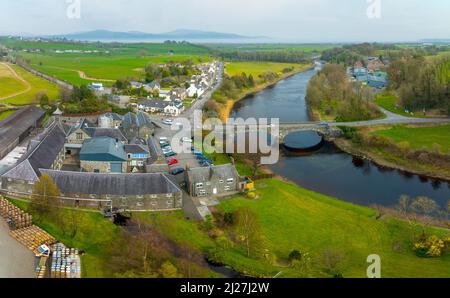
281 20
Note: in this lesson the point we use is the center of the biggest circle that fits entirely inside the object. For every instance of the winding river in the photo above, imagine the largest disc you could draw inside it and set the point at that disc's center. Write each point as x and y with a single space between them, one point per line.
329 170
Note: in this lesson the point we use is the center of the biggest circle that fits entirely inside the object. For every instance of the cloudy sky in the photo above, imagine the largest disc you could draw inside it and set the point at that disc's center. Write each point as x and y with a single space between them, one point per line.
289 20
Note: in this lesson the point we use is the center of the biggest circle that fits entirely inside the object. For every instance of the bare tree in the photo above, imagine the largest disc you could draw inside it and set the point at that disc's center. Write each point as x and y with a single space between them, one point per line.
332 262
249 231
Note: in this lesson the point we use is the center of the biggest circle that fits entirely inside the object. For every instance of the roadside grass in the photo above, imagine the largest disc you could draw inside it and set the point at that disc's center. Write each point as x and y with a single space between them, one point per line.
95 234
422 137
389 101
37 85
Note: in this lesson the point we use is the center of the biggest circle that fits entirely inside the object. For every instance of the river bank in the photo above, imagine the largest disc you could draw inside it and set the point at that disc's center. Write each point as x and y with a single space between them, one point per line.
349 148
16 261
226 110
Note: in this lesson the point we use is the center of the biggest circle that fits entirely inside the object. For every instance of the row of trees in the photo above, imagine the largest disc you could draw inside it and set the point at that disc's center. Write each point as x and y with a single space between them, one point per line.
331 94
273 56
422 83
155 72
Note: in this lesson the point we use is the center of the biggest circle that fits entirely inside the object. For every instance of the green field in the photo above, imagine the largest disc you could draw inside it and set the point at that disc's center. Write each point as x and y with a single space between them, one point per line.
9 83
419 137
308 48
37 85
111 62
258 68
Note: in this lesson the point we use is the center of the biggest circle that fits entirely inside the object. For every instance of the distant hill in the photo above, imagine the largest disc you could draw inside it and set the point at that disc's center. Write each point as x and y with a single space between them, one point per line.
182 34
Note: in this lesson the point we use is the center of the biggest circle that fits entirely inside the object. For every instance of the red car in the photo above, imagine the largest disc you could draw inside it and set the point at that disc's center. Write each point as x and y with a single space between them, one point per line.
172 161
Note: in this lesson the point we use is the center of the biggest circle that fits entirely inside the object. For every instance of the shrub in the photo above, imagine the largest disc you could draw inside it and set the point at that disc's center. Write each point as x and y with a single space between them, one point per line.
251 195
295 255
432 246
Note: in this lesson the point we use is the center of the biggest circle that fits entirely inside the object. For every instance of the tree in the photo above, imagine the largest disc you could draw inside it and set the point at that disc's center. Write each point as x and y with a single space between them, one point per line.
45 199
249 231
332 262
43 99
168 270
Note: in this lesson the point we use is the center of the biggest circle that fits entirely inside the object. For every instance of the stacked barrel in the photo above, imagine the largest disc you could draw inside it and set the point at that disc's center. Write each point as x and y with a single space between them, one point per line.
32 237
16 218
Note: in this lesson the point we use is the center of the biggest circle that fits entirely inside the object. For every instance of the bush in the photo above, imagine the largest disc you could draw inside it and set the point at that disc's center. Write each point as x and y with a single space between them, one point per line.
432 246
295 255
228 218
251 195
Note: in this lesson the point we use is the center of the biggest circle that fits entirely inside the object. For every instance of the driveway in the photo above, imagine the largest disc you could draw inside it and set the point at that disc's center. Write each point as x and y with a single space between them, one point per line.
15 260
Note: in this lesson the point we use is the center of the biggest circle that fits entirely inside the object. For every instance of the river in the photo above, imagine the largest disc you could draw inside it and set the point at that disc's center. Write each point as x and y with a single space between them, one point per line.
329 170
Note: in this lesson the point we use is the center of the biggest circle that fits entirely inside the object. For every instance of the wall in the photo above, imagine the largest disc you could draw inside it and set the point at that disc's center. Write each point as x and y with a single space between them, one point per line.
102 166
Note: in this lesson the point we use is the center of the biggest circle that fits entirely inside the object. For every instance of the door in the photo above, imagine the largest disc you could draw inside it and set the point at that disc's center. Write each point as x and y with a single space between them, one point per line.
116 167
214 191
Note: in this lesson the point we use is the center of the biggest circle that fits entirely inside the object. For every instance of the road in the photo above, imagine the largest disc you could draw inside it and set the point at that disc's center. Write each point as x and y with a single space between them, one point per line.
15 260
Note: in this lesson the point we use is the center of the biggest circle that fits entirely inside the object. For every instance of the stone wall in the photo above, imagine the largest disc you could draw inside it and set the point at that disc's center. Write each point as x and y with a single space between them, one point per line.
102 166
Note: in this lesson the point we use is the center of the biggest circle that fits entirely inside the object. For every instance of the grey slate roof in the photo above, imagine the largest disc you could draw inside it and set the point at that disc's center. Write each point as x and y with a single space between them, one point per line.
95 132
135 149
84 125
205 174
113 184
41 155
18 123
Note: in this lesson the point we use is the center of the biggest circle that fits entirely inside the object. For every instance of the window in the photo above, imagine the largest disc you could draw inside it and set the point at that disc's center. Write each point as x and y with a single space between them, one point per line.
140 197
221 181
199 185
140 204
169 195
96 171
227 188
230 180
153 196
92 196
79 136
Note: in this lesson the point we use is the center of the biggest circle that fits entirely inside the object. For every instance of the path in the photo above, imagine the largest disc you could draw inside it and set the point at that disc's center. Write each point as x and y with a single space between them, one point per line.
83 75
18 77
16 261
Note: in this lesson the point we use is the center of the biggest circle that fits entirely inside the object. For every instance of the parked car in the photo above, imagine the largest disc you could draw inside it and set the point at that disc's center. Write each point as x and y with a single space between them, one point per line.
163 139
168 121
186 140
172 161
177 171
164 144
170 154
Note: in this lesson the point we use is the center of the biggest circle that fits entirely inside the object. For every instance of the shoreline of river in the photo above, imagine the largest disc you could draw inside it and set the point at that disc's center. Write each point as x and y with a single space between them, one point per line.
346 147
229 107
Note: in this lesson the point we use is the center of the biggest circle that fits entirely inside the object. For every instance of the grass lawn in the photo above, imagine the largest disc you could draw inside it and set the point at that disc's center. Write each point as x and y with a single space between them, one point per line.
419 137
389 102
94 236
258 68
37 85
294 218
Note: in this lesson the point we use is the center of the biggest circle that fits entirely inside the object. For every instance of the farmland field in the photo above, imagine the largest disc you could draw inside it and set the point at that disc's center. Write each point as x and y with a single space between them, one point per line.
99 67
257 68
308 48
9 83
35 84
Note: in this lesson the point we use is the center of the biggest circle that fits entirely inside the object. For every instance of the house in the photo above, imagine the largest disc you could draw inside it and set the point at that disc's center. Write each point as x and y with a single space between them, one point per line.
46 151
141 192
85 130
110 120
152 87
374 64
137 126
103 155
213 181
17 127
153 106
174 108
137 155
193 91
